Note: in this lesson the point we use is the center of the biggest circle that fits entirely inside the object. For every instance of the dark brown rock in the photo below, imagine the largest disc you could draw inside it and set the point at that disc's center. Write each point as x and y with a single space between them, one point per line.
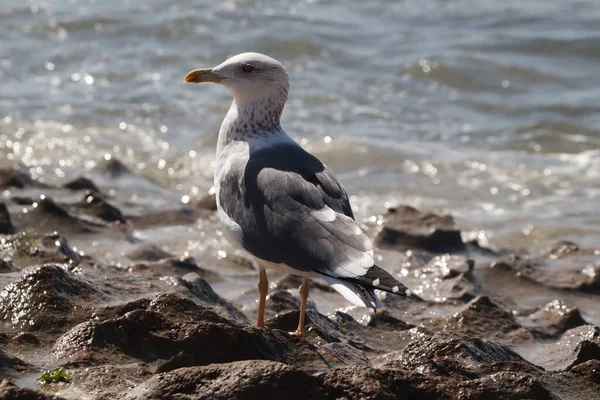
6 226
149 252
44 298
204 292
93 204
485 319
235 381
408 228
589 370
6 266
82 183
15 178
442 278
449 348
575 347
149 336
563 266
552 320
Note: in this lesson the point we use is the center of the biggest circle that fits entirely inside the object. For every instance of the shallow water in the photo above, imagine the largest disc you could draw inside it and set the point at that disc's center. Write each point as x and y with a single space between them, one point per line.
487 110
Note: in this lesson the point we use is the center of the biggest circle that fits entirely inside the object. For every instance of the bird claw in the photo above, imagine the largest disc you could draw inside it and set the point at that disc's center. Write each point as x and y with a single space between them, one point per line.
261 326
297 333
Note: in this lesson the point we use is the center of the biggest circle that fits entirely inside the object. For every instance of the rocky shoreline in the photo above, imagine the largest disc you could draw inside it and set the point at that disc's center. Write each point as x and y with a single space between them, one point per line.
150 325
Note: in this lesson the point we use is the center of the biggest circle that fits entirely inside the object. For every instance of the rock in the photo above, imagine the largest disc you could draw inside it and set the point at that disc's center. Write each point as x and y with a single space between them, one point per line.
589 370
444 277
341 328
563 266
384 319
575 347
9 365
283 300
8 391
49 216
405 227
82 183
208 202
112 168
25 249
149 252
151 337
26 338
15 178
106 382
482 318
44 298
179 266
180 216
234 381
552 320
6 266
96 206
204 292
450 348
6 226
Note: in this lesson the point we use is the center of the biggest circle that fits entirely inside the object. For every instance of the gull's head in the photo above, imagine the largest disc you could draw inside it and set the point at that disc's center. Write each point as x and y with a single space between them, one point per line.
250 77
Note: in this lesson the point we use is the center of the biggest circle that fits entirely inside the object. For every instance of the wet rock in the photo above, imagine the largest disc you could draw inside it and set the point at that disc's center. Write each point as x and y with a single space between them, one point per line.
112 168
151 336
178 266
208 202
235 381
6 226
26 249
563 266
181 216
49 216
149 252
384 319
408 228
282 300
15 178
106 382
44 298
340 328
179 309
8 364
485 319
444 277
82 183
552 320
204 292
9 391
589 370
6 266
26 338
575 346
449 349
95 205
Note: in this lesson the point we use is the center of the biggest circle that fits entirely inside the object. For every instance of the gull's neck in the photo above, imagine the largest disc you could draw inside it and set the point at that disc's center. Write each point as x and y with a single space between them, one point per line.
251 120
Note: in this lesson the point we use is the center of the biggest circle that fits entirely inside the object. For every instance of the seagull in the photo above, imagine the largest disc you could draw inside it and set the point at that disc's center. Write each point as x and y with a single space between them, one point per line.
278 201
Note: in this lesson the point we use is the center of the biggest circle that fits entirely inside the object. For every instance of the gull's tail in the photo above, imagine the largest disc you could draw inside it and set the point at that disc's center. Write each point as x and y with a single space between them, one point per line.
360 290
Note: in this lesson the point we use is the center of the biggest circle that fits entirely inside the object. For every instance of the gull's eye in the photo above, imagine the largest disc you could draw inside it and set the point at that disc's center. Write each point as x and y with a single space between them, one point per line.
248 68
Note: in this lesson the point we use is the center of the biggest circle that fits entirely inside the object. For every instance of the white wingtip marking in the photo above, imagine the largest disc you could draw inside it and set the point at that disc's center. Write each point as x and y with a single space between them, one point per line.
376 282
346 289
325 214
395 289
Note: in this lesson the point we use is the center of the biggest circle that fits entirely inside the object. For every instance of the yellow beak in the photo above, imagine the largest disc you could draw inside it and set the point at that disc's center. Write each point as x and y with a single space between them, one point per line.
202 75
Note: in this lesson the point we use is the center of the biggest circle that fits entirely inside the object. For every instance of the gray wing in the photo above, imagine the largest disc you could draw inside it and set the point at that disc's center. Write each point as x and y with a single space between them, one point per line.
293 210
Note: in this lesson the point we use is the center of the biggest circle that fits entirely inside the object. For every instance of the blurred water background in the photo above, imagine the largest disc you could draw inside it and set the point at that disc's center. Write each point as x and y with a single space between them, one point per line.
484 109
